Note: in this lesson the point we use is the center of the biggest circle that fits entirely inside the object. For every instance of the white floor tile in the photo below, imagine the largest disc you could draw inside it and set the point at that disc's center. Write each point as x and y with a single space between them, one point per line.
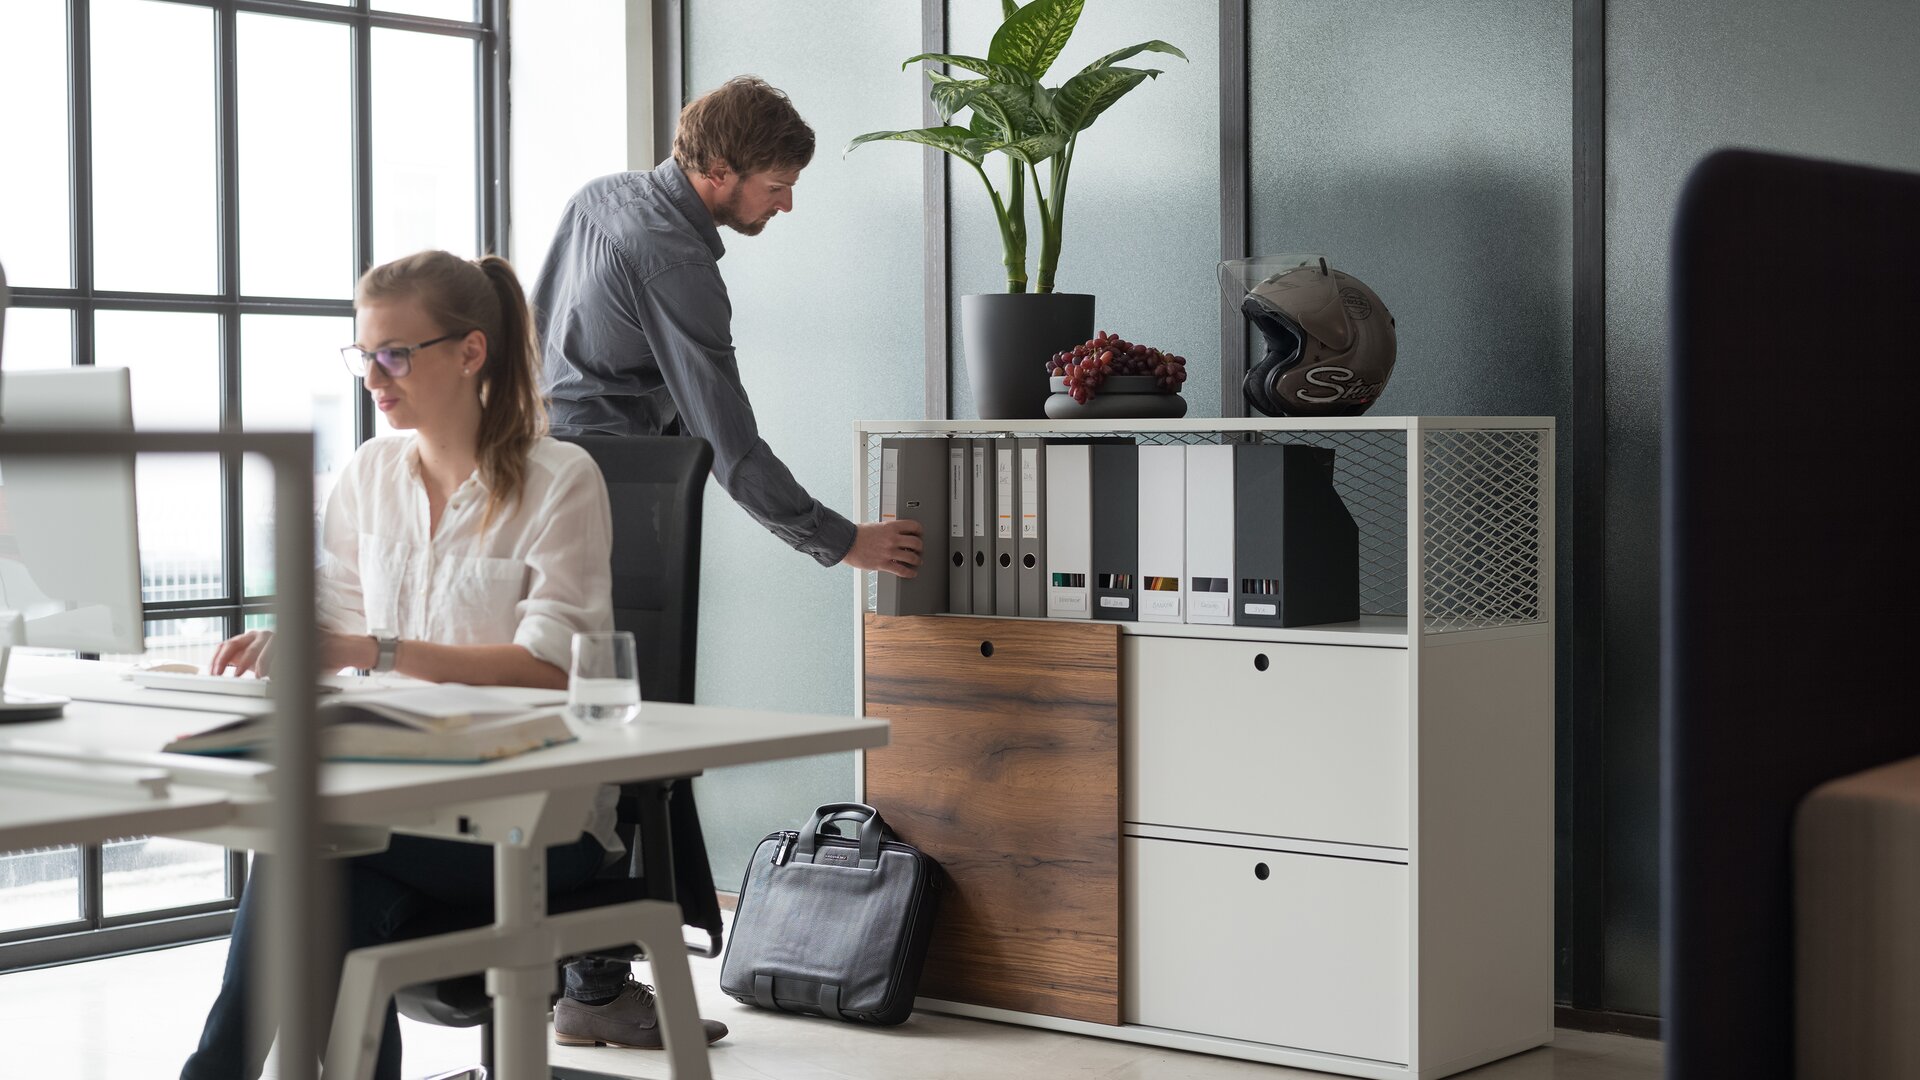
137 1017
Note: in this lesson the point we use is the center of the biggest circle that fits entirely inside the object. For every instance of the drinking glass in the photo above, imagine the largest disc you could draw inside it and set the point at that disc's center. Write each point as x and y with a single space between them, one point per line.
603 688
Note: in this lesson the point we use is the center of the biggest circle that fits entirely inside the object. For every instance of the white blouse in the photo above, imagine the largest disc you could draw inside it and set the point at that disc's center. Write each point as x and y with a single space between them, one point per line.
539 573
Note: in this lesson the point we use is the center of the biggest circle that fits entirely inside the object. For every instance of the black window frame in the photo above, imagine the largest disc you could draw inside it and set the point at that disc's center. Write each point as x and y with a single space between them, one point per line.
93 934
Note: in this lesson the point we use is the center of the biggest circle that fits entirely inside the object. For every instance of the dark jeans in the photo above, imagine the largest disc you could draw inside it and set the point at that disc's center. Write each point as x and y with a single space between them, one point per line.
382 892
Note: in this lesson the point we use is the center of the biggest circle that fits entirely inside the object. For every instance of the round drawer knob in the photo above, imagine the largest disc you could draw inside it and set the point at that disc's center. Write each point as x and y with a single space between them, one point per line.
1260 662
986 648
1260 871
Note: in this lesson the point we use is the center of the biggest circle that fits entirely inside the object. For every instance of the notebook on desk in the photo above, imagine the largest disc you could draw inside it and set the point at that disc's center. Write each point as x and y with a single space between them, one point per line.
431 724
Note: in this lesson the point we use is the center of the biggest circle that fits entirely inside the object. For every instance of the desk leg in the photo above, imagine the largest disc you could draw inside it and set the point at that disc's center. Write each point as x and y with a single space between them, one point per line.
520 992
679 1009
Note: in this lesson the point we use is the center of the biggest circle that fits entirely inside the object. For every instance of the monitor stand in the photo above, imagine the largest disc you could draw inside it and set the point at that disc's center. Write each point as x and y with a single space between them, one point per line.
19 706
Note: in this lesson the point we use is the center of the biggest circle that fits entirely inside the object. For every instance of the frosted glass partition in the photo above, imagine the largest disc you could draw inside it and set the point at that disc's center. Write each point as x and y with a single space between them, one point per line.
827 323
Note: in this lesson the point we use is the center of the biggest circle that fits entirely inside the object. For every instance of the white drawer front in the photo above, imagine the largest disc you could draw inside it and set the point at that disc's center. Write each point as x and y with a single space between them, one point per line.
1314 956
1314 746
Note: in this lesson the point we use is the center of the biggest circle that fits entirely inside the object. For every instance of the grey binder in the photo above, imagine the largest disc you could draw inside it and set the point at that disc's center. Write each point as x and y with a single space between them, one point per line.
1006 527
982 517
1033 529
913 485
959 537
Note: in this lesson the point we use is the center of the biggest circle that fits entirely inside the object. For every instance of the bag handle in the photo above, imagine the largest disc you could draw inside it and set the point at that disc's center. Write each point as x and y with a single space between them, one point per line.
872 830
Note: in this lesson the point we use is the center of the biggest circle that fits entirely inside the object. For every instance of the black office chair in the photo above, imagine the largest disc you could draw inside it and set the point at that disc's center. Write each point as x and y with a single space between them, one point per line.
656 487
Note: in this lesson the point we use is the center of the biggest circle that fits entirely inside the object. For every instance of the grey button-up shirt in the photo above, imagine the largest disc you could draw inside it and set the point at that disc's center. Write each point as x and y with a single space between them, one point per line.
636 331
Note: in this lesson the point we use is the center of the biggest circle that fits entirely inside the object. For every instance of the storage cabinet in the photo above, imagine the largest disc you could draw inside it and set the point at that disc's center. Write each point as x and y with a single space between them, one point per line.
1273 946
1306 741
1329 847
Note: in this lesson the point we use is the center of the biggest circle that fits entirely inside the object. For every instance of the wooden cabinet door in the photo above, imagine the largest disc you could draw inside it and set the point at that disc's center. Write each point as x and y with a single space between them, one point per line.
1004 764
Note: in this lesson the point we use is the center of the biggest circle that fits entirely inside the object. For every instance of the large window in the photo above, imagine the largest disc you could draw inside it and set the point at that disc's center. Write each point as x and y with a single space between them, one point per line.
190 189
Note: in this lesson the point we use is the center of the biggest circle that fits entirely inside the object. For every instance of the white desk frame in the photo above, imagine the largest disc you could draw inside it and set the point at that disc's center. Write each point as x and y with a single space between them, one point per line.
519 805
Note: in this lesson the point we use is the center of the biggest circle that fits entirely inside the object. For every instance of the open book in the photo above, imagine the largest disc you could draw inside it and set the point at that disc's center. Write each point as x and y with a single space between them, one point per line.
442 724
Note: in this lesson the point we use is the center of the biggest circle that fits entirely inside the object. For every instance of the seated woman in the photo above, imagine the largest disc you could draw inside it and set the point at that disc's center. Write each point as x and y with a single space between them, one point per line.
469 552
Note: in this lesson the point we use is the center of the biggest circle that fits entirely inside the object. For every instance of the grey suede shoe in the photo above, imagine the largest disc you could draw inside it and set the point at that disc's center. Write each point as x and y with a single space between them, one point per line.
628 1020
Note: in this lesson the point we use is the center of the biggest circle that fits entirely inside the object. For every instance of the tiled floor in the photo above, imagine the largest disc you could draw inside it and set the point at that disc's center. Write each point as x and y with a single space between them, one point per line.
136 1017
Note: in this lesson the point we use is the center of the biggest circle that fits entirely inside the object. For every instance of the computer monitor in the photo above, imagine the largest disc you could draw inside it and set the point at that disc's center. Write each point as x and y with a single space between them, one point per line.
69 545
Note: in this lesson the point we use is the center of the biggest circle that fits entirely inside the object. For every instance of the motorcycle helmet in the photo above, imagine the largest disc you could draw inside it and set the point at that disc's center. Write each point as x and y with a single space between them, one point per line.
1329 339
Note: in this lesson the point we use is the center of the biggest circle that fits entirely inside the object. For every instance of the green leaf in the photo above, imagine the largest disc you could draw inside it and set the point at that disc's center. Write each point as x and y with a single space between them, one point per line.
950 95
1118 55
1035 148
1085 96
1008 8
1005 73
957 141
1015 111
1031 38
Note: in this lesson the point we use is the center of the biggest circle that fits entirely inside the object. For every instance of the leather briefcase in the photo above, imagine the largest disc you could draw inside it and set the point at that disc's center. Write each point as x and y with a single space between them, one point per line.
830 925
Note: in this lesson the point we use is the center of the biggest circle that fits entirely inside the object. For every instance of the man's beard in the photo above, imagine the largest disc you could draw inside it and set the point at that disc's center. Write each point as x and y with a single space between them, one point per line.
728 214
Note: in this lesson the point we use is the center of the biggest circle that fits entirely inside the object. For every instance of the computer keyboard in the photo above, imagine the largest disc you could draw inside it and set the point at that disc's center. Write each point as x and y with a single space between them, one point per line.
211 684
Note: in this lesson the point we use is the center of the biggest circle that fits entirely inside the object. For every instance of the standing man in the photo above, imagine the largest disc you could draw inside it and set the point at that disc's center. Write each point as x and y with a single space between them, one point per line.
636 328
636 331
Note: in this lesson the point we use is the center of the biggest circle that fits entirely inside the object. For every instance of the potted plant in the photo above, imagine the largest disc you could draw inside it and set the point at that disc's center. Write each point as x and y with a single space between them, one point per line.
1009 336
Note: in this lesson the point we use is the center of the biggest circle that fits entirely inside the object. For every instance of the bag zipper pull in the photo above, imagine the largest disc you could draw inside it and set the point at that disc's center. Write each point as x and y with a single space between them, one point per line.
787 841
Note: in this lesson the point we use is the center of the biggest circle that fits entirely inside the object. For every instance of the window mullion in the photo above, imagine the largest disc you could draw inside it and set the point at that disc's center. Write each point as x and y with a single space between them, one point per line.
92 878
80 155
491 83
362 189
227 106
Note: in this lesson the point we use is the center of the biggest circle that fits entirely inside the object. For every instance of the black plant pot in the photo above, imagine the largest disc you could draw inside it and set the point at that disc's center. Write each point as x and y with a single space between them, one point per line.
1008 338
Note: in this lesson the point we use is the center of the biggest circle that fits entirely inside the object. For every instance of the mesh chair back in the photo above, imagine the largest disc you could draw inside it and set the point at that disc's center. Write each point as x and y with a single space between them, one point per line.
656 486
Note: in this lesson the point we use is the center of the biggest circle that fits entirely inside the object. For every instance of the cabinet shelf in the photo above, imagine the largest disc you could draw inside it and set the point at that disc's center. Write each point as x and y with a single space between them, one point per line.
1377 631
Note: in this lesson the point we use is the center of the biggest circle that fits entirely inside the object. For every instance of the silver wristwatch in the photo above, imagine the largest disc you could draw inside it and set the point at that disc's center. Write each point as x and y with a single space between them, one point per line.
389 648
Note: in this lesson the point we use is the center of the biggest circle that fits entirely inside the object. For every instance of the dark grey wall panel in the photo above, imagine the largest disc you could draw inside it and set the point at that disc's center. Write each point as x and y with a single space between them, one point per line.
1836 80
1143 206
826 319
1426 149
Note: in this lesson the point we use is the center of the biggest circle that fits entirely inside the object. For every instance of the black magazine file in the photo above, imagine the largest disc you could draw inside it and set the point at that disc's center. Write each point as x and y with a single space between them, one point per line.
1787 573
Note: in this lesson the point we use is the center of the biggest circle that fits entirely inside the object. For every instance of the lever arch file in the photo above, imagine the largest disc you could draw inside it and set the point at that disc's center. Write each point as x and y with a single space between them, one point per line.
982 481
1069 529
959 537
1163 532
1296 549
1006 528
913 482
1209 520
1033 529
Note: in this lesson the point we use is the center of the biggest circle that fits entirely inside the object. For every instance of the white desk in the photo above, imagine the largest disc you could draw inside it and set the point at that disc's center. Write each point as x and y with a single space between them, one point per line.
519 805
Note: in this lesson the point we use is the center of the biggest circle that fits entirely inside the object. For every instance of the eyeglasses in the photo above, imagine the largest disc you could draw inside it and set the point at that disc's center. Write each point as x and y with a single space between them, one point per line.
395 360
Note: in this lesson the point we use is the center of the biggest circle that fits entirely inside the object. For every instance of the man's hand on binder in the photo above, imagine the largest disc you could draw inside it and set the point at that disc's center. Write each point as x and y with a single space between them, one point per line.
892 546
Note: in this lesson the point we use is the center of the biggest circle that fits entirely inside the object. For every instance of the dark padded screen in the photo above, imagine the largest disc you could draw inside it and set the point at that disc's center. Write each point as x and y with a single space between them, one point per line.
1789 571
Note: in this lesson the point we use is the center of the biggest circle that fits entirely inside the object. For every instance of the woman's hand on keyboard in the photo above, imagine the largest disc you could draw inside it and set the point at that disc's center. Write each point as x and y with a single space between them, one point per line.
250 653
